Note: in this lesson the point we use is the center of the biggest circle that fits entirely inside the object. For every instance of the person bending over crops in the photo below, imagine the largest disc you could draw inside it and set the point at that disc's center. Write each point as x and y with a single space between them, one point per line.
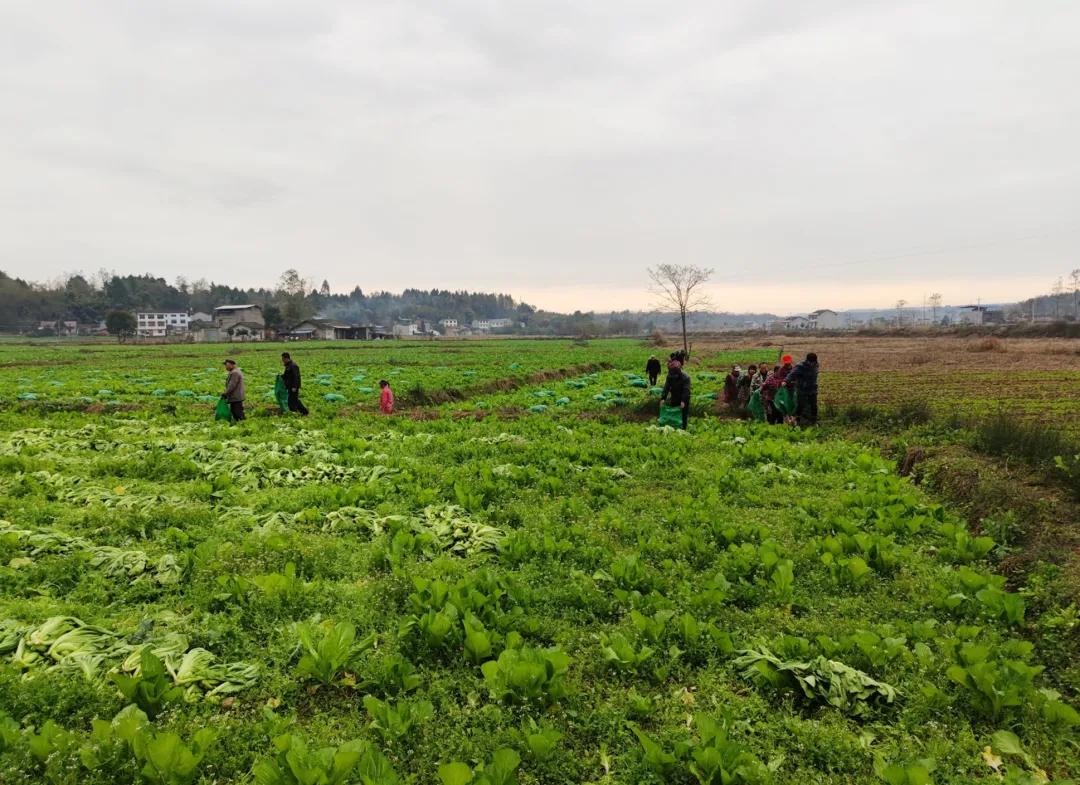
803 378
677 387
291 377
234 390
652 370
386 397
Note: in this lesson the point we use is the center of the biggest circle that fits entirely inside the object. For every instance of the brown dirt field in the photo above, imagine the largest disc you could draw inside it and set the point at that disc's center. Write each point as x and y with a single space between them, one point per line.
1033 378
875 353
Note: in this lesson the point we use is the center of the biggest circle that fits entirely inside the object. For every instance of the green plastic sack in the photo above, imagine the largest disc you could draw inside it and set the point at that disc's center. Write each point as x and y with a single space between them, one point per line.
785 401
670 415
222 410
281 395
756 407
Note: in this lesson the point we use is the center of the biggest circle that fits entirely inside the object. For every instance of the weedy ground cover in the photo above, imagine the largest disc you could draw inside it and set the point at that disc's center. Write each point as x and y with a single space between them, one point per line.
548 598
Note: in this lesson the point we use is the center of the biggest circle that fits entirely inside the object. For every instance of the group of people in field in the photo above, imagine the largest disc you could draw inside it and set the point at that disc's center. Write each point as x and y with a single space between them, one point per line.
234 389
742 389
739 392
800 378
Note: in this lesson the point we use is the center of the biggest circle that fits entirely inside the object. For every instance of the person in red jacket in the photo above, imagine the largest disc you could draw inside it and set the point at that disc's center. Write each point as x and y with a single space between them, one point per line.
386 397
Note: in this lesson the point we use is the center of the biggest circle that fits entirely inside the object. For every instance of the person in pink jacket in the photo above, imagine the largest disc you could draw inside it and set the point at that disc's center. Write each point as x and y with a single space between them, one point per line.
386 398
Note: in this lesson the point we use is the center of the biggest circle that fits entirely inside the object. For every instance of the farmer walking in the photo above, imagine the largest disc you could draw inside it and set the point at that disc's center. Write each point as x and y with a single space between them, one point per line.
677 387
291 377
803 378
652 370
386 397
234 390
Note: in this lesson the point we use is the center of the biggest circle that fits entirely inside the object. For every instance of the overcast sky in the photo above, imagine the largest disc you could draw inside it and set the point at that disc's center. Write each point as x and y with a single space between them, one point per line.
833 153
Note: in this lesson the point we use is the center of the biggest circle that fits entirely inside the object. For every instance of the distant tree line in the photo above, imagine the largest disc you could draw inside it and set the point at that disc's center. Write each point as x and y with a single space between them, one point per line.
91 299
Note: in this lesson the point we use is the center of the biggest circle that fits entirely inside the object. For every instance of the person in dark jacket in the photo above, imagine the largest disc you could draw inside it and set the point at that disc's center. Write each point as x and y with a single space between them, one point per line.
677 387
291 377
652 370
803 378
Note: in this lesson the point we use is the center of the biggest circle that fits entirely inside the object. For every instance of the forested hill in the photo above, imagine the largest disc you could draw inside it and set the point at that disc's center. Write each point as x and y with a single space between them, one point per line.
23 305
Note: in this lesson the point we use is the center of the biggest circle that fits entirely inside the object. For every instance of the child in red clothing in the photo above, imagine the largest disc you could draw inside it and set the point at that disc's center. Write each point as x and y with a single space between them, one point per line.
386 398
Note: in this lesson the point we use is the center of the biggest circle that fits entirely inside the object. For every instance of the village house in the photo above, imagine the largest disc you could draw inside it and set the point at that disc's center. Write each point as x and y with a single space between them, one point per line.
232 323
329 330
824 319
64 328
491 324
158 325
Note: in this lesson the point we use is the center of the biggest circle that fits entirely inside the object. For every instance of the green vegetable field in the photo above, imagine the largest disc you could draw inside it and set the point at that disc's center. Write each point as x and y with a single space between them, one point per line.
517 578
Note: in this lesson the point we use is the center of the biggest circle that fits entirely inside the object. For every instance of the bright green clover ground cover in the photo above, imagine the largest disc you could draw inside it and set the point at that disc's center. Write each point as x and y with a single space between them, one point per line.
548 598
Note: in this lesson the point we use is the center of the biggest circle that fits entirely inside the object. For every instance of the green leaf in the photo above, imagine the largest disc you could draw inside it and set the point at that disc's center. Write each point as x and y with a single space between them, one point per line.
1007 743
455 773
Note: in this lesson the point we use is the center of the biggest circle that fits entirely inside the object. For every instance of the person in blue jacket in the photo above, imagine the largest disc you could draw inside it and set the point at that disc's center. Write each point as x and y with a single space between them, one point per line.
803 378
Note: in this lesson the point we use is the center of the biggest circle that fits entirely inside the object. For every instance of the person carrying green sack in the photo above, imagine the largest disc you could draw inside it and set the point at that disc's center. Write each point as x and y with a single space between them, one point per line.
291 380
676 391
234 390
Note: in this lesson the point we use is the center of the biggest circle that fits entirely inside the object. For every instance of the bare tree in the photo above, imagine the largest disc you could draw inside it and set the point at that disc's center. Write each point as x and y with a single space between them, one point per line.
679 288
1074 281
291 291
1057 291
935 303
900 312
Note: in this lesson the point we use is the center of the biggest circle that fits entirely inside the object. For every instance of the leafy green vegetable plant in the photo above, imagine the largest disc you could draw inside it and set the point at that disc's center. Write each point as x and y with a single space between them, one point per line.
329 650
294 763
500 770
152 688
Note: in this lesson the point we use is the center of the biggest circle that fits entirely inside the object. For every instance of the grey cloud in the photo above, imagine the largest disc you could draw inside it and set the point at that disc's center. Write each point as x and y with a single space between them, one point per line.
540 144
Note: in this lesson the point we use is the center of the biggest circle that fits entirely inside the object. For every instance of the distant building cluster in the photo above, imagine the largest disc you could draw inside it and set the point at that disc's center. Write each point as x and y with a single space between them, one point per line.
243 323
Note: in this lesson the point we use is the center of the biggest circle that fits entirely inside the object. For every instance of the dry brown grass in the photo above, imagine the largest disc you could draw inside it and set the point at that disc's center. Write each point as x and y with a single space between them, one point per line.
987 345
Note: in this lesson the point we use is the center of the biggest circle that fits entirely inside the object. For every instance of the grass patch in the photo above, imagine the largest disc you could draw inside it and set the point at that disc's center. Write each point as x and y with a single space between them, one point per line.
1006 434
